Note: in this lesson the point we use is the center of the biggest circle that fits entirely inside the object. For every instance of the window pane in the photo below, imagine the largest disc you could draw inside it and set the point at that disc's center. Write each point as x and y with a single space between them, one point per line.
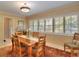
49 25
49 21
71 24
31 22
48 28
35 25
35 22
31 28
31 25
41 25
35 28
58 25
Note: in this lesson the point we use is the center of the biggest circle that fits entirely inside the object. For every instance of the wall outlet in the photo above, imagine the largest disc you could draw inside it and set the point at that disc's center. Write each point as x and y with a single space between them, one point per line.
4 40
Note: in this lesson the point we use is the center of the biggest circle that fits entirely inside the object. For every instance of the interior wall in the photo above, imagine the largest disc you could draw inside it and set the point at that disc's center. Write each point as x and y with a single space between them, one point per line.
6 28
1 28
13 26
57 41
60 11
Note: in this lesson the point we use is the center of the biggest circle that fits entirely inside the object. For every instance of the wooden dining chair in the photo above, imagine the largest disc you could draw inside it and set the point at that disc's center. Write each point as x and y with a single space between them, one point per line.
35 34
73 45
13 44
39 49
18 33
18 48
25 33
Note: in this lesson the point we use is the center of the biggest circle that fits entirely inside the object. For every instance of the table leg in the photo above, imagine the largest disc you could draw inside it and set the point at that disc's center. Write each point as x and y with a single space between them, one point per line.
72 52
64 49
30 51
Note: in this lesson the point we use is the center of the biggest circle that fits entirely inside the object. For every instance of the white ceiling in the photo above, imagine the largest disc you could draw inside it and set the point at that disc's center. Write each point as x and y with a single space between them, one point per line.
13 7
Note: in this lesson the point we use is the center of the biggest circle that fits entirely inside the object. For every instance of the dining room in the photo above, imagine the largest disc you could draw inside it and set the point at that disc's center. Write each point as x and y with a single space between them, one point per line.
39 29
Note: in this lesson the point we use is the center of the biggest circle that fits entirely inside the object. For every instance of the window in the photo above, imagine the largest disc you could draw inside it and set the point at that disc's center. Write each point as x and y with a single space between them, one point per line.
31 26
35 25
71 25
20 25
49 25
58 24
41 25
65 25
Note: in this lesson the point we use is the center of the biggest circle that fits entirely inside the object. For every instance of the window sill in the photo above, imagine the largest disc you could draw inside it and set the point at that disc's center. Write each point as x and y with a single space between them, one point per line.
63 34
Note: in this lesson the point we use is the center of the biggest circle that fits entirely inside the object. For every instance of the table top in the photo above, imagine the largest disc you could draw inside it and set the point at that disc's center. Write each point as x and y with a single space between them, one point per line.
29 37
28 40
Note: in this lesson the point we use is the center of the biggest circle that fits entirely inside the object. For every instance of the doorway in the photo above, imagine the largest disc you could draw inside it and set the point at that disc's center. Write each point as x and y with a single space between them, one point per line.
7 27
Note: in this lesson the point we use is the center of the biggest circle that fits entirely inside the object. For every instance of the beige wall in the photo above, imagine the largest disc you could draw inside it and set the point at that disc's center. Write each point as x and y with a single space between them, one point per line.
13 24
57 41
53 40
1 27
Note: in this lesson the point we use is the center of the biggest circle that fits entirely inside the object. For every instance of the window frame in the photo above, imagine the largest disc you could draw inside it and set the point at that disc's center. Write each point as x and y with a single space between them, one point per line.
53 25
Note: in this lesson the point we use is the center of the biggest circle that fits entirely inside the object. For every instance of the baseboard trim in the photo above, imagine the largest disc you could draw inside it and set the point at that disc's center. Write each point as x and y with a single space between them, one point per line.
5 45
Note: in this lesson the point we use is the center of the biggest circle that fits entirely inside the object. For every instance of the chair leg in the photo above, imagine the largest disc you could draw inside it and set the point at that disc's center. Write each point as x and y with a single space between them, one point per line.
64 49
72 52
44 51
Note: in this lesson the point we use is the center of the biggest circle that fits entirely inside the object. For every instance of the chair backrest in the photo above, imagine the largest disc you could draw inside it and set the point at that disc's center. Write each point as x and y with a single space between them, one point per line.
41 42
15 41
35 34
76 37
41 46
25 32
19 33
13 38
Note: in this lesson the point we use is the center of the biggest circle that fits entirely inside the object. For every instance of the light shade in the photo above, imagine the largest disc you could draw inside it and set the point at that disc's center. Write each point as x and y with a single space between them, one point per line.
25 9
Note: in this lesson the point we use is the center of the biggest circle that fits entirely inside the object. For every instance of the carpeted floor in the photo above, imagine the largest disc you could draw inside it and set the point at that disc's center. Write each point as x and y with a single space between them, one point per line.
49 52
52 52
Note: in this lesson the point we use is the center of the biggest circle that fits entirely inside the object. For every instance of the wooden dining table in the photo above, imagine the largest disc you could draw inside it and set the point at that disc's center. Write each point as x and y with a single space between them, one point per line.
28 41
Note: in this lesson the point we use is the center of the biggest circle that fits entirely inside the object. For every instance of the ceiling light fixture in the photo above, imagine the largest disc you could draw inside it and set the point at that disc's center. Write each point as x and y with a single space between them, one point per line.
25 8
